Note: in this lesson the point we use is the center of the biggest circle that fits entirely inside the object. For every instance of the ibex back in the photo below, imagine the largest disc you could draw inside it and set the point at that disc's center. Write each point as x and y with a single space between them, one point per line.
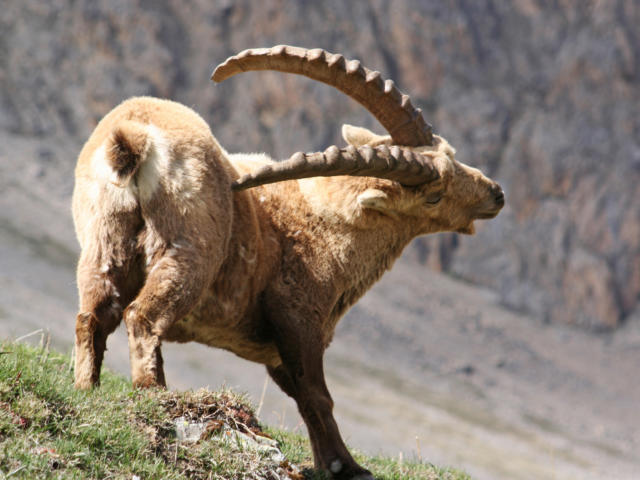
186 242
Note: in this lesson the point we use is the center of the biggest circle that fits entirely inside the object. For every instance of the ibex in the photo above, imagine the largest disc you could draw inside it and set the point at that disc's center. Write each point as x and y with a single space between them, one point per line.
186 242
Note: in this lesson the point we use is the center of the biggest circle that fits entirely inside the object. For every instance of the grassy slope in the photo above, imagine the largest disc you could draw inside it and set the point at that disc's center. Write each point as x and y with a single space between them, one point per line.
50 430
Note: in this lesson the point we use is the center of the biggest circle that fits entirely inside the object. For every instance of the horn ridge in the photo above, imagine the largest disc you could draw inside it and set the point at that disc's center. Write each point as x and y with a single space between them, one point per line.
392 163
382 98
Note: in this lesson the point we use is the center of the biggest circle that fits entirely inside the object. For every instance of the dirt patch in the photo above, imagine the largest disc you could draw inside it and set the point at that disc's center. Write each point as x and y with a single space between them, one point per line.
212 408
226 429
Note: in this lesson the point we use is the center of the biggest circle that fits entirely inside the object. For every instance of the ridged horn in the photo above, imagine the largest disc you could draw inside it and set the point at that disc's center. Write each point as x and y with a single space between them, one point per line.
390 106
393 163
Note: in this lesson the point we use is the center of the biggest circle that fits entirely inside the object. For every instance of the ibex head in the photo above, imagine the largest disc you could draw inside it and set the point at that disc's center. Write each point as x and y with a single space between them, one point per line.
457 195
445 193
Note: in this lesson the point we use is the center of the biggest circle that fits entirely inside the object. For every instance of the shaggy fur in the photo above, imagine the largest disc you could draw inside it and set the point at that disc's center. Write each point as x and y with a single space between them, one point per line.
265 273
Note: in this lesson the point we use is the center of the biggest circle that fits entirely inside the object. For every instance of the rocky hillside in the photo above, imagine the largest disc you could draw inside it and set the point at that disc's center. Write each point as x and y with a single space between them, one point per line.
543 96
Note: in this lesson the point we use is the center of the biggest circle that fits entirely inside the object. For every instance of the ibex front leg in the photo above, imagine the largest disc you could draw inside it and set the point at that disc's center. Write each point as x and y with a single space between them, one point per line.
301 376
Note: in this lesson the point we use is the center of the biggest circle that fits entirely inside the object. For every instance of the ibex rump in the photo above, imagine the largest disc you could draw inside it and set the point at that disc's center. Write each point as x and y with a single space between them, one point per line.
187 242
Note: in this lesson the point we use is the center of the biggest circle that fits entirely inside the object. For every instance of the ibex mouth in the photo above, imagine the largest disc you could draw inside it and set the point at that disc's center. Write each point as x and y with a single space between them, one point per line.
492 213
488 215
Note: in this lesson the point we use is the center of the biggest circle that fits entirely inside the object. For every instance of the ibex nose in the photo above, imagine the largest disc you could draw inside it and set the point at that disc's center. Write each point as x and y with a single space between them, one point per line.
498 194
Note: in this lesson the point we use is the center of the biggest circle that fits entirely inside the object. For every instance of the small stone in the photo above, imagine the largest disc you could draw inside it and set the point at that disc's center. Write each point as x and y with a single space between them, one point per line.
189 432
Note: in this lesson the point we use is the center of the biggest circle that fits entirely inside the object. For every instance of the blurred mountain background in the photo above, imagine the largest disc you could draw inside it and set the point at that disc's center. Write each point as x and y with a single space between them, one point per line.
543 303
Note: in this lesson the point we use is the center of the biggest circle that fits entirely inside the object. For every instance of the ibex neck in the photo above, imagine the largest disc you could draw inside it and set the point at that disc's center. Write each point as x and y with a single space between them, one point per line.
366 255
347 247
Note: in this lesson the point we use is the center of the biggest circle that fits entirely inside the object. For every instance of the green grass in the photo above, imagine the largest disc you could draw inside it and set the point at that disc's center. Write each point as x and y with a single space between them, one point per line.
50 430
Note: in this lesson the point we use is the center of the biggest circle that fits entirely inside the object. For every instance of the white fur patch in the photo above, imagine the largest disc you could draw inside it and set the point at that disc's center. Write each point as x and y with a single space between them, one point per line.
155 166
178 176
332 208
246 162
152 244
250 259
374 199
317 199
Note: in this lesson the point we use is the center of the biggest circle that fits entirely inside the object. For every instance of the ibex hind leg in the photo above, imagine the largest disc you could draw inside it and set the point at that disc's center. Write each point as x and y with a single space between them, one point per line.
103 296
91 342
173 286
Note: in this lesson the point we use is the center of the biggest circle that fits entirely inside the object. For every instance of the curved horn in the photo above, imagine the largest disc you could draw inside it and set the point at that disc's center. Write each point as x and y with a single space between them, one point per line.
392 108
393 163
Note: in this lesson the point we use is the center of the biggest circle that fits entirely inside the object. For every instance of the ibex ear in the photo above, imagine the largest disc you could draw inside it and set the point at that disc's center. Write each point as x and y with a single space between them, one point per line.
358 136
374 199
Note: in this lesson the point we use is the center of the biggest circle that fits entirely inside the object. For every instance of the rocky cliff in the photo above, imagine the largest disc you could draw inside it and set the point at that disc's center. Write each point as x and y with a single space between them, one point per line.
544 96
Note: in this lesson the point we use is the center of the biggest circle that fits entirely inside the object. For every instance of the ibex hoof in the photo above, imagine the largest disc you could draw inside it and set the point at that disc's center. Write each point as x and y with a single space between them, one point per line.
356 472
85 384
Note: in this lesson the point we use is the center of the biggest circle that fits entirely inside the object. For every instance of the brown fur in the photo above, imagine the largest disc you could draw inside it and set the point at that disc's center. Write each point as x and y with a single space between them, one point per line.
265 273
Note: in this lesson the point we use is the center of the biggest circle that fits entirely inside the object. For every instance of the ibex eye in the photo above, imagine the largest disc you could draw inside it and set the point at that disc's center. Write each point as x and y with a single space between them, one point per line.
433 198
